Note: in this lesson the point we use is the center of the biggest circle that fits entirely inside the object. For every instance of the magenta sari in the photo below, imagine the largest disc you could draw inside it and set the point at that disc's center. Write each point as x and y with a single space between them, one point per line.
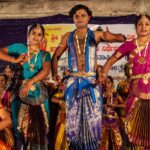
138 106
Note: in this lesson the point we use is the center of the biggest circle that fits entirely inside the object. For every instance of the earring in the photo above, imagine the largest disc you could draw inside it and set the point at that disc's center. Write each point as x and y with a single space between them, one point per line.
144 16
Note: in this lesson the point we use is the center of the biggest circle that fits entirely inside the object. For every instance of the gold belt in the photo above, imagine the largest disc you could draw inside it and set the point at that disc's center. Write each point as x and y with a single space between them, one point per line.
137 76
110 116
83 74
145 76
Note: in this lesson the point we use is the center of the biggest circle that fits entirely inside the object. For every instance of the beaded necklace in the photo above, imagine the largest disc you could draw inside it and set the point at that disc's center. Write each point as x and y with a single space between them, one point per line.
78 45
32 65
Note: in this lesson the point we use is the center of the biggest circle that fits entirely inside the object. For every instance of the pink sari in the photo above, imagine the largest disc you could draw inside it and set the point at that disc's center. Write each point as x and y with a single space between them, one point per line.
138 106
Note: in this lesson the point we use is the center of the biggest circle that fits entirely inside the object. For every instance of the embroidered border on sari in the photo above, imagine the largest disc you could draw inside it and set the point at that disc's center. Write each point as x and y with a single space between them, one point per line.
36 100
117 55
136 125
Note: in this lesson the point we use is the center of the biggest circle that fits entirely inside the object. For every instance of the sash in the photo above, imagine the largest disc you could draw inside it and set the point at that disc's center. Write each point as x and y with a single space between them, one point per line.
90 52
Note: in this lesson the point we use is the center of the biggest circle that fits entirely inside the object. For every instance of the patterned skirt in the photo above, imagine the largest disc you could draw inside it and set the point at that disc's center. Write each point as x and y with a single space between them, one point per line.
31 125
83 124
137 123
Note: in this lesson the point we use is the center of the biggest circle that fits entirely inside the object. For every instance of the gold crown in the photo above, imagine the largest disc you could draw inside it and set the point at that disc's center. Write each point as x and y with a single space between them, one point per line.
38 26
143 16
8 66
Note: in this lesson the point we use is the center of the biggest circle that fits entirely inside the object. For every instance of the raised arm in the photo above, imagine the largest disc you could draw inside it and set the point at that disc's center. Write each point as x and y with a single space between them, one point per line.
108 36
6 57
59 51
122 51
5 118
108 64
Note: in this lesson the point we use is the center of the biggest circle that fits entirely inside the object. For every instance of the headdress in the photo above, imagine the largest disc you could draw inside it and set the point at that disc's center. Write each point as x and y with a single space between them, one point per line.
38 25
143 16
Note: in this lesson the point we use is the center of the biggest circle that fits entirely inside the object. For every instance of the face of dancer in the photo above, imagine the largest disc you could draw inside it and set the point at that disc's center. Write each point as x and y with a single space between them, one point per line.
99 70
35 36
126 71
143 27
81 18
2 81
8 72
109 84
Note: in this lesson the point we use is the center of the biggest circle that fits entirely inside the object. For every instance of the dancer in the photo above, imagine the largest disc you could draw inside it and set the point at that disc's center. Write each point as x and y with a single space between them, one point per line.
30 108
138 104
111 135
82 96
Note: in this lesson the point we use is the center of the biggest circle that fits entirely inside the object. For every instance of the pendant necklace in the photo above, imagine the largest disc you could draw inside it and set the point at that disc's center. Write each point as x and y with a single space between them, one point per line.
142 59
32 65
78 45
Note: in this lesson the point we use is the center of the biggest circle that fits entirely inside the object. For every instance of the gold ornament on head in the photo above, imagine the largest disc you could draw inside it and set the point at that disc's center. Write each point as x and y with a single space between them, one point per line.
38 26
8 66
143 16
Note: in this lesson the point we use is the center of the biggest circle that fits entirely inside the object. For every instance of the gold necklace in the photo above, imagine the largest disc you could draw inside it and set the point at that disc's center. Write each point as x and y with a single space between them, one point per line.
142 59
78 45
32 65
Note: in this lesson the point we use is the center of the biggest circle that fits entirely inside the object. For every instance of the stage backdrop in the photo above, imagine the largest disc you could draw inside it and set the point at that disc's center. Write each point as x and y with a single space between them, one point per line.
15 30
104 50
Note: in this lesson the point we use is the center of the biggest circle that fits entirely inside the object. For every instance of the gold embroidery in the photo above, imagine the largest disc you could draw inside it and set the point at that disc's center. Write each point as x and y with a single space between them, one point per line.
118 55
130 65
131 58
138 76
138 93
32 88
130 71
82 73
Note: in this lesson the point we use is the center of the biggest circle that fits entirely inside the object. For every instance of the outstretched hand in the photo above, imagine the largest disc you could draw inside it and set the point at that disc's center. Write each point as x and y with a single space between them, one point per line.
108 35
107 29
21 59
111 37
